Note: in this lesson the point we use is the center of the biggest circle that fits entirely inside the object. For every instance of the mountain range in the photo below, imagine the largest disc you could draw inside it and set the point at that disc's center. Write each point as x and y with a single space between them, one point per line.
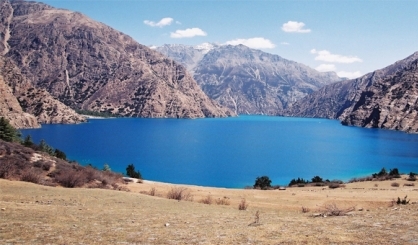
246 80
86 65
55 61
386 98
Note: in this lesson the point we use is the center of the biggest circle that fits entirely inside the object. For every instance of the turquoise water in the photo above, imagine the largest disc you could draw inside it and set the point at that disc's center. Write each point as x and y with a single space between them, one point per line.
232 152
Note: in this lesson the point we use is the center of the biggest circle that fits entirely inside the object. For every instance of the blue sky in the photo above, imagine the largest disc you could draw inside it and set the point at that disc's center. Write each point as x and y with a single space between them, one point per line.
350 37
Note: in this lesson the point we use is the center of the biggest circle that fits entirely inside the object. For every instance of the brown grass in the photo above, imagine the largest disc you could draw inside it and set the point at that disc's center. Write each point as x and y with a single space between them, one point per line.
243 205
179 194
35 214
333 210
207 200
223 201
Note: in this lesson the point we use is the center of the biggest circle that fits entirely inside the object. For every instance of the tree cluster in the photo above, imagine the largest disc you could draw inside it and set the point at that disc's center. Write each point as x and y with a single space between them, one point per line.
262 182
298 181
393 173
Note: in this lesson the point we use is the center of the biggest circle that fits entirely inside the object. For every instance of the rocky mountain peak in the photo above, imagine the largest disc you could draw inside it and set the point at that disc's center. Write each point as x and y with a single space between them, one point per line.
249 81
88 65
385 98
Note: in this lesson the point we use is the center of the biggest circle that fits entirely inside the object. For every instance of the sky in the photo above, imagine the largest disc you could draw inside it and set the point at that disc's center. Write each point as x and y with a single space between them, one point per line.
350 37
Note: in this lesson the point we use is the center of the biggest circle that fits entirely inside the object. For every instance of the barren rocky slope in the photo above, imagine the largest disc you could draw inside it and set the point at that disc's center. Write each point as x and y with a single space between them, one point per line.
34 102
386 98
11 109
246 80
88 65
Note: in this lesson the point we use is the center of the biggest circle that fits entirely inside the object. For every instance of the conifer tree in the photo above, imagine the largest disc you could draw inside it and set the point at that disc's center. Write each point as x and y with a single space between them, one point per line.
8 132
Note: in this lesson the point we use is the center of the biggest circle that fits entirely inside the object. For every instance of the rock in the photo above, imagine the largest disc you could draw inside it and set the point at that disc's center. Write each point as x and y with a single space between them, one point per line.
3 209
360 209
10 107
245 80
317 215
89 66
166 224
385 98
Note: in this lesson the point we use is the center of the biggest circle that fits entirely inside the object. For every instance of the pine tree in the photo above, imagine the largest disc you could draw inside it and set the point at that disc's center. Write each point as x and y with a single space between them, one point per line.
130 171
8 132
28 141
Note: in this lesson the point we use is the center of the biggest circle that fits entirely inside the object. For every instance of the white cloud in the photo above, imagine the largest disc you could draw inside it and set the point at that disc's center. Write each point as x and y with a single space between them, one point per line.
285 43
350 75
190 32
326 67
325 55
163 22
294 26
255 42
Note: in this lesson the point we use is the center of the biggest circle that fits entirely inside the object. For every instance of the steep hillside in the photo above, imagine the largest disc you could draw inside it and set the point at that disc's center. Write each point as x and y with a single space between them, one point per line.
249 81
35 101
386 98
88 65
11 109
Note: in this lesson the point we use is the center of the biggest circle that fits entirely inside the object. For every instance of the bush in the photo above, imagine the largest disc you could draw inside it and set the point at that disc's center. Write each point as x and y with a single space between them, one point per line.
223 201
334 185
395 184
243 205
130 172
72 179
207 200
262 182
180 193
32 176
317 179
403 201
412 177
333 210
6 168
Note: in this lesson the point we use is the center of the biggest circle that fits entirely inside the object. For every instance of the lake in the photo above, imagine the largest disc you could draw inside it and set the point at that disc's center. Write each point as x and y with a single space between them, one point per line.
232 152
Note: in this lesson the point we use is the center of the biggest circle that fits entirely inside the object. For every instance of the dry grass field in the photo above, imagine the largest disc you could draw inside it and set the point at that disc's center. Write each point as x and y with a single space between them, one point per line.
35 214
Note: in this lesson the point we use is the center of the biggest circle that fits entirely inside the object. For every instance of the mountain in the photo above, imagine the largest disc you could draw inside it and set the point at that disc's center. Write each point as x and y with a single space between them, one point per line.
87 65
188 56
35 101
11 109
386 98
248 81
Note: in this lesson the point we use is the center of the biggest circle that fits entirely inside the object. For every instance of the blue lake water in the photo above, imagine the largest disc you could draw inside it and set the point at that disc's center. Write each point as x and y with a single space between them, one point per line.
232 152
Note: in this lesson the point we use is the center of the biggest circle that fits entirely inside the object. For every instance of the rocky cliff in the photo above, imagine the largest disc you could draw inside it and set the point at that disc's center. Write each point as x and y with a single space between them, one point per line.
386 98
11 109
248 81
88 65
35 101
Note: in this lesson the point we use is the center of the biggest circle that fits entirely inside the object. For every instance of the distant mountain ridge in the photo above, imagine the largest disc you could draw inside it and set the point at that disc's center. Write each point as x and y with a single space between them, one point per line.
386 98
246 80
87 65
